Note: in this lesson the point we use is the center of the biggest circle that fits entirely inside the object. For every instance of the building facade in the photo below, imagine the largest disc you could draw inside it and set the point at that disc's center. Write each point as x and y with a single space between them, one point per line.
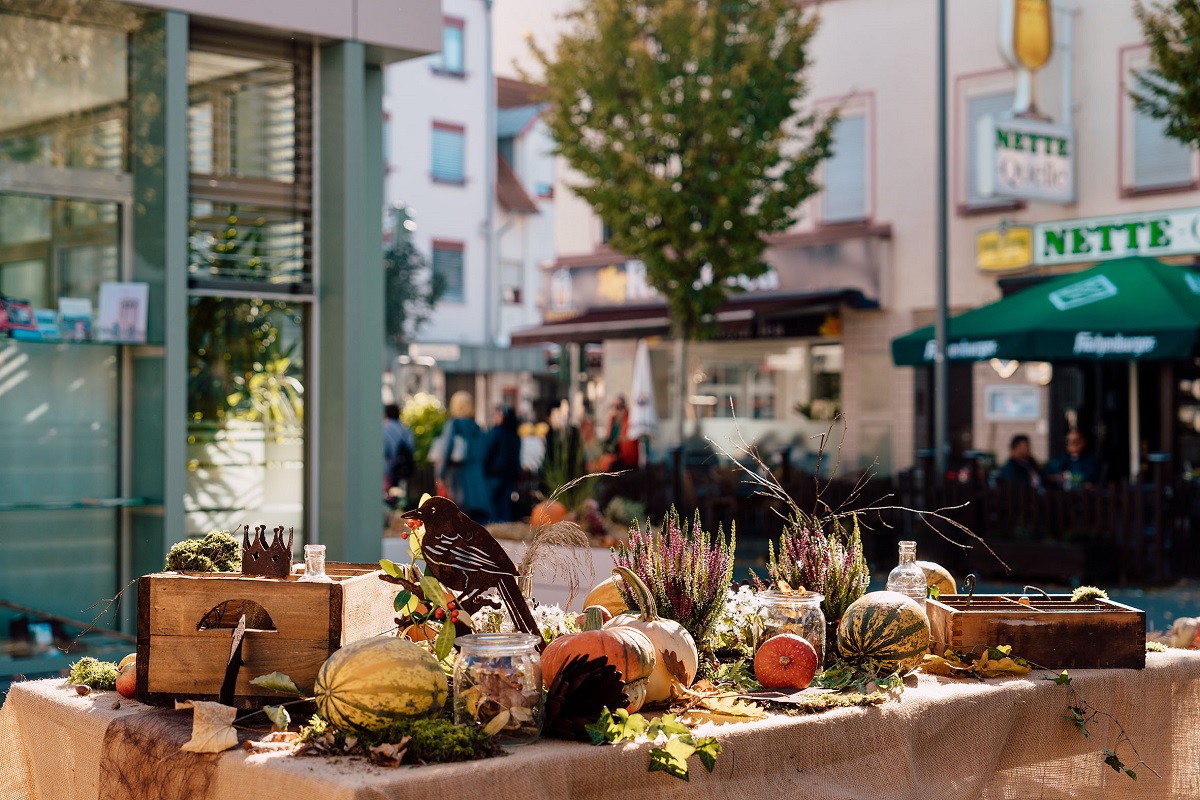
860 267
474 172
189 204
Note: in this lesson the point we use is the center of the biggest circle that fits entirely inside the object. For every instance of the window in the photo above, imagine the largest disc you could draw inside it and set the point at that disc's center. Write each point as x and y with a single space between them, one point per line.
448 262
449 153
978 107
450 60
844 195
1158 160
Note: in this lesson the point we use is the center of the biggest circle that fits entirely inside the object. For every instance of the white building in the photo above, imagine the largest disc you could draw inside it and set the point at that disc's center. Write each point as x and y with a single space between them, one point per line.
859 269
480 188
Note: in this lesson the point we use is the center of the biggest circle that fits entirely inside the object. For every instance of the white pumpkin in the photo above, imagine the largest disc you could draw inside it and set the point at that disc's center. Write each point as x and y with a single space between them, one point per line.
667 635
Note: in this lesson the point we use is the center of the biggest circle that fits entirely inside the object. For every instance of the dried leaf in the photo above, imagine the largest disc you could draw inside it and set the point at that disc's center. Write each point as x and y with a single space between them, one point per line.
730 705
497 724
988 668
212 727
389 755
947 668
678 672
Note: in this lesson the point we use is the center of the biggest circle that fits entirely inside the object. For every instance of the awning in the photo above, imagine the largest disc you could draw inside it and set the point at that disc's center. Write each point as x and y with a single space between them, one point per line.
1129 309
736 317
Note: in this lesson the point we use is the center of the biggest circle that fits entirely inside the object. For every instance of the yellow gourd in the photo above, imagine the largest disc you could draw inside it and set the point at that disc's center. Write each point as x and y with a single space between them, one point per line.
667 636
372 683
606 594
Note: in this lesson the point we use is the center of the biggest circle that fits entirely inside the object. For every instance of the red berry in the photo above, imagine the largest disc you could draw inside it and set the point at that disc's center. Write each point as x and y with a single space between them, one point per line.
440 613
451 605
403 534
454 616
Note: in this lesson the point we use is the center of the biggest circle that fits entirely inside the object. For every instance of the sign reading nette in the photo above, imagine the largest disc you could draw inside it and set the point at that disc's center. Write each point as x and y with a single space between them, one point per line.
1076 241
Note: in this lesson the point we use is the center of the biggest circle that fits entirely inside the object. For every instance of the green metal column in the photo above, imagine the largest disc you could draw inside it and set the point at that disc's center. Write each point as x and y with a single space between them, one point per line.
348 457
158 414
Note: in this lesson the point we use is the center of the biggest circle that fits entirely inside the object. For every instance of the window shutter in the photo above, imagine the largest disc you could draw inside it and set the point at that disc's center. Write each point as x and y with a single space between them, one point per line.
448 262
448 155
845 173
1158 160
977 108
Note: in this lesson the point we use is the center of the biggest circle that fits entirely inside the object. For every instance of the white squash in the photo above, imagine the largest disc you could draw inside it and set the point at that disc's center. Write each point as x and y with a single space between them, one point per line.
667 635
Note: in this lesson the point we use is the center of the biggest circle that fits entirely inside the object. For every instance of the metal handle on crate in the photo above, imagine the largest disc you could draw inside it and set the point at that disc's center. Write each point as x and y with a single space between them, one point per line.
1042 592
970 582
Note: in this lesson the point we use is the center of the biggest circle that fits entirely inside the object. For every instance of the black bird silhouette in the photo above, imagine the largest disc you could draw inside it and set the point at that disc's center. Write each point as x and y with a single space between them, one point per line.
464 557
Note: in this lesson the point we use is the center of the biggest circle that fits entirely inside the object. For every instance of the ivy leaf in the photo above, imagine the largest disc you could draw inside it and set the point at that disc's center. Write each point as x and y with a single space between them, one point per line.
445 641
668 724
934 592
1062 679
279 717
708 749
278 682
629 726
601 729
1113 760
402 601
434 594
391 568
672 757
1131 773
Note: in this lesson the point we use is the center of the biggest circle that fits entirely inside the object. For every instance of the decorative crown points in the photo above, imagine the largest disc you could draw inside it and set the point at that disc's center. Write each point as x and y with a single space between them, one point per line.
272 560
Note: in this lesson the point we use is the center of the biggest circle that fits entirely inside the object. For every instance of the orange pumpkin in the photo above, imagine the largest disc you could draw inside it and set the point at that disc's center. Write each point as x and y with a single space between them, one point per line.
627 649
548 513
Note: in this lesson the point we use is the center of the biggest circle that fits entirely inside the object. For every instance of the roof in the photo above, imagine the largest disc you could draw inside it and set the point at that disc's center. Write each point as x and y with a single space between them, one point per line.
509 191
511 122
511 93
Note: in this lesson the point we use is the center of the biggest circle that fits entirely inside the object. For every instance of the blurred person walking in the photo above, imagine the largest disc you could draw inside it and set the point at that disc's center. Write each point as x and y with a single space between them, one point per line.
502 462
399 445
462 447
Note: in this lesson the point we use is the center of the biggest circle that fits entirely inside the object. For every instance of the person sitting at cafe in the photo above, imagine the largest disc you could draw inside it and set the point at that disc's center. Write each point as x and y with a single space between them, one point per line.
1076 467
1021 469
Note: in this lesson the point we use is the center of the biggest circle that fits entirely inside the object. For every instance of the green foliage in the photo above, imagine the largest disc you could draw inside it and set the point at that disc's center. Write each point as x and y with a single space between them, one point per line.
687 569
87 671
682 117
432 741
218 551
411 288
739 674
827 559
860 678
672 756
425 416
278 682
1169 90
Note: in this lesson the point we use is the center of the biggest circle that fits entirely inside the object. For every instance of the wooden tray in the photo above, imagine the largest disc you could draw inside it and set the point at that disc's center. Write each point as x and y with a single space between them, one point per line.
292 627
1050 633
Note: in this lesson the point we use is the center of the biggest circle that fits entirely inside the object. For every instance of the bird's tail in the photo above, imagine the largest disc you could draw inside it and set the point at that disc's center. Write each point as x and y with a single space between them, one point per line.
518 609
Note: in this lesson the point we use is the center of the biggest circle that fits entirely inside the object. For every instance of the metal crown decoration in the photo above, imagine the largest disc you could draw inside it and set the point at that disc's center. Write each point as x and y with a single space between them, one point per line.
259 558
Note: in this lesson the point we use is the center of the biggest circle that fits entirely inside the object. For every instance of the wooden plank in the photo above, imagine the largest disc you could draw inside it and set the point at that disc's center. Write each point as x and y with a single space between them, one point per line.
367 608
194 665
177 603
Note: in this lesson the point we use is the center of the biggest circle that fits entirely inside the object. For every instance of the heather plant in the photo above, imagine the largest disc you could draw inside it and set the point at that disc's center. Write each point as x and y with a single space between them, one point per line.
826 559
687 569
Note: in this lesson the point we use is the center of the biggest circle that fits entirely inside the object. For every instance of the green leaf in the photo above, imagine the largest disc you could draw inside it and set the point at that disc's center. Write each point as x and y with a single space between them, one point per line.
278 682
434 594
445 641
391 568
672 757
934 592
1131 774
279 717
602 728
708 749
402 600
668 724
1062 679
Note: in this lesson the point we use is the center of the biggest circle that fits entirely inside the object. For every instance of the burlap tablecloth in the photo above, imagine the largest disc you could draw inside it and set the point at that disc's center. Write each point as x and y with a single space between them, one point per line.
1002 740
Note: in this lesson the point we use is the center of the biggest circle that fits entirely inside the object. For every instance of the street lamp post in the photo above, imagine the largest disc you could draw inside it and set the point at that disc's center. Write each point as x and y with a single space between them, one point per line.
941 364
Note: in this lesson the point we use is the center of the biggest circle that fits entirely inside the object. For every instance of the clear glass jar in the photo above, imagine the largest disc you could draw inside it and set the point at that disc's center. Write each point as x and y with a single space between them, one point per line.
908 578
796 613
314 564
498 685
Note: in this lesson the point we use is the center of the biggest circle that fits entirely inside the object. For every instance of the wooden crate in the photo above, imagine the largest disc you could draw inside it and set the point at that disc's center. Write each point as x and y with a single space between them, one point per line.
1050 633
176 659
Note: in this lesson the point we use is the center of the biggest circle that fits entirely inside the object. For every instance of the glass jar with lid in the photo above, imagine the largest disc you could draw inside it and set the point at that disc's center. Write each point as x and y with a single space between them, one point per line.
794 612
498 685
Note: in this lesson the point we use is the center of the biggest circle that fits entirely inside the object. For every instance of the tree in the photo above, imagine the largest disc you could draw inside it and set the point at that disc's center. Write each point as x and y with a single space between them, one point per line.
411 288
1169 90
685 119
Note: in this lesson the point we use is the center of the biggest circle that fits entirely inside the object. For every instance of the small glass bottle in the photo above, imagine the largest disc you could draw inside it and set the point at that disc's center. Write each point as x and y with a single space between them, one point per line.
498 686
314 564
908 578
797 612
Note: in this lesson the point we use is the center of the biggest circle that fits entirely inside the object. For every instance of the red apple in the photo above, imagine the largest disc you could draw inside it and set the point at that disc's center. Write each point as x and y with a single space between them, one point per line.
127 680
785 661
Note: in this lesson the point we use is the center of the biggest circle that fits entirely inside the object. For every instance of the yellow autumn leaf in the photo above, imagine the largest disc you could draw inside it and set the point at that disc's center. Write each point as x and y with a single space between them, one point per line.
212 727
945 667
1002 668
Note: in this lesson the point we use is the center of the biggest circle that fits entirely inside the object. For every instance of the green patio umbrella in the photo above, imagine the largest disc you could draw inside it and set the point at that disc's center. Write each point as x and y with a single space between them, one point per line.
1132 309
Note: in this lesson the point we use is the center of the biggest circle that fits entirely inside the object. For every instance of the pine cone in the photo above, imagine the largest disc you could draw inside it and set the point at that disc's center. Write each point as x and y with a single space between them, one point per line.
580 691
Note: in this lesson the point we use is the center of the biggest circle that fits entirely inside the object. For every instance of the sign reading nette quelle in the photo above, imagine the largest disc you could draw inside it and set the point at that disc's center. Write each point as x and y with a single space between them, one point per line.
1079 241
1025 158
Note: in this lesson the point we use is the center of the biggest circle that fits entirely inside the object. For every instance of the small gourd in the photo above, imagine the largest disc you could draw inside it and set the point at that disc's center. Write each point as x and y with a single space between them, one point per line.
608 595
373 683
627 649
667 635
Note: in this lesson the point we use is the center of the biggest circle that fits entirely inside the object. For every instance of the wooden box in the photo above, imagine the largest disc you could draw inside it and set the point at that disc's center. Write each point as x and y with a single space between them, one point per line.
292 627
1049 633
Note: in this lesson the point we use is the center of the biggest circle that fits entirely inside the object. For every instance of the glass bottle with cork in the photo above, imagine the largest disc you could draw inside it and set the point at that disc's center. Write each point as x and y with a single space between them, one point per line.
908 578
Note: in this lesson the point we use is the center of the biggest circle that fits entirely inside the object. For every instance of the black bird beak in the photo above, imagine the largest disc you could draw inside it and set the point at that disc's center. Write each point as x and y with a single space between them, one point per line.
414 514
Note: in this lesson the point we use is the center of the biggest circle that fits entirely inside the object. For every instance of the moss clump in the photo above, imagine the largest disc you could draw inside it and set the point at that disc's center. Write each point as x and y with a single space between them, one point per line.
432 741
1085 594
216 552
87 671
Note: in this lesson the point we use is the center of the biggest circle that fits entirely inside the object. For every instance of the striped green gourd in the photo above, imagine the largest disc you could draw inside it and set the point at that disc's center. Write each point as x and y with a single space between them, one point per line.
885 629
372 683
